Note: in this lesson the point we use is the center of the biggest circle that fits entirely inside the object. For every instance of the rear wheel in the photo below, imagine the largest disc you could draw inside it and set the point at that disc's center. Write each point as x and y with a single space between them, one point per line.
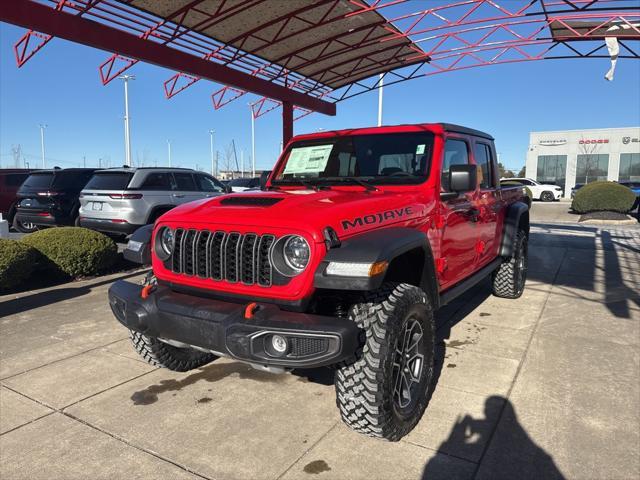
510 277
23 227
547 197
383 393
162 354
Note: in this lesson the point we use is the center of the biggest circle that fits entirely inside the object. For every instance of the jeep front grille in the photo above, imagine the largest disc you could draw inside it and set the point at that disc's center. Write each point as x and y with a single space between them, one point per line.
233 257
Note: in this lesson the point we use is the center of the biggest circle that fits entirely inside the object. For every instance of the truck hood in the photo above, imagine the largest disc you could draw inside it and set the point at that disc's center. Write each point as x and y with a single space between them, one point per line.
347 211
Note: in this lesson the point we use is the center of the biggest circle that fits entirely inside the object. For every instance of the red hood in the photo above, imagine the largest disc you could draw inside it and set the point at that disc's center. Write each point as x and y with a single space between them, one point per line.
346 210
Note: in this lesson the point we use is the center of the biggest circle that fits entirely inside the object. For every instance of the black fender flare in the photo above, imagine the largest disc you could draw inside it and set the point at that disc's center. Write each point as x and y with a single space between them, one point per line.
380 245
140 250
516 218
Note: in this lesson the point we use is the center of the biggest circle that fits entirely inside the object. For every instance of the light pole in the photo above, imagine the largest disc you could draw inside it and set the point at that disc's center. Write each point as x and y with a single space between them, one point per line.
380 91
169 151
214 163
127 132
42 127
253 143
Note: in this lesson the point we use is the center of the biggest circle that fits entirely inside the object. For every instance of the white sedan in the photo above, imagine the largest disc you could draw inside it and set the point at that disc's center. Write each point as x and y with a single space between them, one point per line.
540 191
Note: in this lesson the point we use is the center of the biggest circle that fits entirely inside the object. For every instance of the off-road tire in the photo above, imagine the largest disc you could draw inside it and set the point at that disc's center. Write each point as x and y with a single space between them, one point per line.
547 196
163 355
510 277
365 387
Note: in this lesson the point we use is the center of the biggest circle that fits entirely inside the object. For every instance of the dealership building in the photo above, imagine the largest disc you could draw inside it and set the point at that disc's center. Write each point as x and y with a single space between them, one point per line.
571 157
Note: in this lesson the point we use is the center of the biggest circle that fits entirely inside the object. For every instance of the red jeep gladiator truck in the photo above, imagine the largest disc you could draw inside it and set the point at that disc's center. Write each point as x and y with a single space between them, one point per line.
356 238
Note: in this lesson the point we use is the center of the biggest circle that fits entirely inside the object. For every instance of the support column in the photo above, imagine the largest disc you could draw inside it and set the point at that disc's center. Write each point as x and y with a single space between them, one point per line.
287 122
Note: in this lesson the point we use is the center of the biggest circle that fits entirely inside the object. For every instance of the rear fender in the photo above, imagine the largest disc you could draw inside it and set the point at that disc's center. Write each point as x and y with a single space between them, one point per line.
516 218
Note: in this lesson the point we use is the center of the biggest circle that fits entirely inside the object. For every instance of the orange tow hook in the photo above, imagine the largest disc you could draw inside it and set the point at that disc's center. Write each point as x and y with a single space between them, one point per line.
146 291
250 310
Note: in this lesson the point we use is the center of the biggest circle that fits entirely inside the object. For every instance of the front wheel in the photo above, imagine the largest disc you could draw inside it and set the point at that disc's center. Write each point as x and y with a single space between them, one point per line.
23 227
383 393
547 197
162 354
509 278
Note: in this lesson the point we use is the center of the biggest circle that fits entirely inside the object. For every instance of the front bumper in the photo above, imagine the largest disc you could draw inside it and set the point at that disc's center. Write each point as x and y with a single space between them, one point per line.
221 327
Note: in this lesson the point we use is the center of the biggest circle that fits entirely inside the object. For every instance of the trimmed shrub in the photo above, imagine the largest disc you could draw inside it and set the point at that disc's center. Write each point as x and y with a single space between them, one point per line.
17 262
603 197
74 251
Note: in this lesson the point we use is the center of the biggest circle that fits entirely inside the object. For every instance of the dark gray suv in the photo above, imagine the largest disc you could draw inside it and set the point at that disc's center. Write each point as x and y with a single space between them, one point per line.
120 200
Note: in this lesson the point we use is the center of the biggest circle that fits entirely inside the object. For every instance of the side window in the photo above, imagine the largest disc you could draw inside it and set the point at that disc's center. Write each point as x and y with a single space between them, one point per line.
456 152
157 181
482 155
208 184
184 182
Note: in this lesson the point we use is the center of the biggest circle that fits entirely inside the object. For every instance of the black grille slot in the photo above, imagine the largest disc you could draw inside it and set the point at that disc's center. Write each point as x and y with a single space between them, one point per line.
251 201
264 262
201 253
248 259
231 262
215 255
306 346
223 256
188 251
176 261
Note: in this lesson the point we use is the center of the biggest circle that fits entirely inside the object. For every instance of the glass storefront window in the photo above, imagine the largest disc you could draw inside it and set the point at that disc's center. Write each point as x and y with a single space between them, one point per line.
592 167
629 167
552 169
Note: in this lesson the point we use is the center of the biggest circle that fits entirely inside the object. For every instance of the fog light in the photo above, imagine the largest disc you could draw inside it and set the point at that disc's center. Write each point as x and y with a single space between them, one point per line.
279 344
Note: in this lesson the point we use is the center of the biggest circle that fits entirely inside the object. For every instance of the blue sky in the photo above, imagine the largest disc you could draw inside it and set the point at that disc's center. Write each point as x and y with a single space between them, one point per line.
60 87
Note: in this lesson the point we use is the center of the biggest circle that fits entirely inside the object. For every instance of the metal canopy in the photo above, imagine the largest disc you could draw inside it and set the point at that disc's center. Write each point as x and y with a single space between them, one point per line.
329 41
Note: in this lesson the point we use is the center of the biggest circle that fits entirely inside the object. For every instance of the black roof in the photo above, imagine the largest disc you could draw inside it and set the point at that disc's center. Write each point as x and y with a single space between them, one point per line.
450 127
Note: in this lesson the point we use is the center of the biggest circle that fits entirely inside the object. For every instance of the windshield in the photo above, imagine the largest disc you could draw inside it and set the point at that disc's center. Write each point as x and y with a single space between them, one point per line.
109 181
38 180
399 158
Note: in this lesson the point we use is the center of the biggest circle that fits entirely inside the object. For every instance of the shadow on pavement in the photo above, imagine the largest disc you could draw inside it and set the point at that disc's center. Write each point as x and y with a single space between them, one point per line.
48 297
521 458
607 258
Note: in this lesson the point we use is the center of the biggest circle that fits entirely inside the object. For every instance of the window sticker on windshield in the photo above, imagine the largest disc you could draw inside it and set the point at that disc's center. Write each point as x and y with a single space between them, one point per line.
308 159
420 149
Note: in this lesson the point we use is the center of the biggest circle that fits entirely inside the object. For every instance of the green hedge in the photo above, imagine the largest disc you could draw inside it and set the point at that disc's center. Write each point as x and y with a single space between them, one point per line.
17 262
603 197
74 251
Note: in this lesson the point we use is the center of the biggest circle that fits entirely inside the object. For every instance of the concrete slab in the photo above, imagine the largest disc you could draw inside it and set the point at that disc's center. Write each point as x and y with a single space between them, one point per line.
456 423
17 410
573 410
59 447
344 454
225 420
70 380
489 339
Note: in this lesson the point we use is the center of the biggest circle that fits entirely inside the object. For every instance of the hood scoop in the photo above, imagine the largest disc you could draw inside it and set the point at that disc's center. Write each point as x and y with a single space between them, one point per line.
257 201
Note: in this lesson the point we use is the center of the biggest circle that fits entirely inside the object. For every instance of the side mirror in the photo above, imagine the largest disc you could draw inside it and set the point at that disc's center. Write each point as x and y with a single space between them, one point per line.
463 178
228 189
264 176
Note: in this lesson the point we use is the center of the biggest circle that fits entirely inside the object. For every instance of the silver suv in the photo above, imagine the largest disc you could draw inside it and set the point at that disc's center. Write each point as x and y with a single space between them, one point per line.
120 200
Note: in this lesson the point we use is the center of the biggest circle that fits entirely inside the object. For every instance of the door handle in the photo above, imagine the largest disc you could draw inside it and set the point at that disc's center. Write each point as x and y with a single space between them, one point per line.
177 195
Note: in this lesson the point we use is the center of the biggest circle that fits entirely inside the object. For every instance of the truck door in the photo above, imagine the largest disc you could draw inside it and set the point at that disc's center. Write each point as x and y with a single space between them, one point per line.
488 202
459 219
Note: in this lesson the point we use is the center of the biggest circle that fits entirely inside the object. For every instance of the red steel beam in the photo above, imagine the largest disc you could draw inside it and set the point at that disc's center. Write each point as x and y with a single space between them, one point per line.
30 14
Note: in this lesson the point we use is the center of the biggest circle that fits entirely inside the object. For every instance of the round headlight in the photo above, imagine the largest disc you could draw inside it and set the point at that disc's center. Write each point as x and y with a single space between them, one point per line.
166 243
296 253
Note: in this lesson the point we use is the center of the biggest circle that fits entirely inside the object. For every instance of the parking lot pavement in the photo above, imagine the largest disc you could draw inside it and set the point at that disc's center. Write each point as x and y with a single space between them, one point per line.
546 386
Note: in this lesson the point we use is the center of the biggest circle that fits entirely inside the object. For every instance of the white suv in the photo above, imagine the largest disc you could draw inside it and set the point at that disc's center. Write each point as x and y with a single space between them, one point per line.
120 200
540 191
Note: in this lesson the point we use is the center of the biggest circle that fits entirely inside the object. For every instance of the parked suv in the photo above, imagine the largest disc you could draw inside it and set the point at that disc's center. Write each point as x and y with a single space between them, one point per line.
121 200
359 236
50 197
10 181
540 191
243 184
